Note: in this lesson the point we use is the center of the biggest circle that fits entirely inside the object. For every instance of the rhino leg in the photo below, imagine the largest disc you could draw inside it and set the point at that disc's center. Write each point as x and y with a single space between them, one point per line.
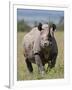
49 66
39 64
53 61
29 65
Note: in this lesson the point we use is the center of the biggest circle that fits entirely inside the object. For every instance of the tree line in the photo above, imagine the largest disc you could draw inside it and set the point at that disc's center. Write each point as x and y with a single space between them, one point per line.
22 26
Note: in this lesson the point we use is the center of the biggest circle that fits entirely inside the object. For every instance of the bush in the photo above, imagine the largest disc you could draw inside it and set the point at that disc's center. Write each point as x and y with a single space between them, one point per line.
22 26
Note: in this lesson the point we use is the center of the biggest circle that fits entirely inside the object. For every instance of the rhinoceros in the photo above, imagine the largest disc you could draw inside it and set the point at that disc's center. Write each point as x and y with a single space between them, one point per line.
40 47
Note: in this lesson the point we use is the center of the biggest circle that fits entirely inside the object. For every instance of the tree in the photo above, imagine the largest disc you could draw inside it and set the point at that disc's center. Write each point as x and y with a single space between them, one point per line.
22 26
61 23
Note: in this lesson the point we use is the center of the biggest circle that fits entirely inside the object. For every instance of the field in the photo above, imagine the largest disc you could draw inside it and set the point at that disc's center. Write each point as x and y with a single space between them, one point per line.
56 73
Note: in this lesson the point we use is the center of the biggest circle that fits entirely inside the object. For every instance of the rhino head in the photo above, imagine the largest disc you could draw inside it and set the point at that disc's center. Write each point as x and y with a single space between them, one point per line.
47 34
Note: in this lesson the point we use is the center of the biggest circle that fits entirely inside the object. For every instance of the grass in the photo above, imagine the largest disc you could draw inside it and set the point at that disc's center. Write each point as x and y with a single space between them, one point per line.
56 73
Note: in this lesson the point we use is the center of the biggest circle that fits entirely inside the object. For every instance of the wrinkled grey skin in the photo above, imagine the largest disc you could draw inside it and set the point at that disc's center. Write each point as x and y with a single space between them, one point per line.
40 47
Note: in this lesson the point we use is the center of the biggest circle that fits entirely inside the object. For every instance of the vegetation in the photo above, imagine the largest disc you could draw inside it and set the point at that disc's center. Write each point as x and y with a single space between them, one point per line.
22 26
56 73
22 71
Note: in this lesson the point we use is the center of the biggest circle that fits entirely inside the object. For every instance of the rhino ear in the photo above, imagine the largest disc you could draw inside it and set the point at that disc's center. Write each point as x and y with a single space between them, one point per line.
40 26
54 27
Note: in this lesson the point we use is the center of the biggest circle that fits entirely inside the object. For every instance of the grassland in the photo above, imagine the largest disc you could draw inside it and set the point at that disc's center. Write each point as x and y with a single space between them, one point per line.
56 73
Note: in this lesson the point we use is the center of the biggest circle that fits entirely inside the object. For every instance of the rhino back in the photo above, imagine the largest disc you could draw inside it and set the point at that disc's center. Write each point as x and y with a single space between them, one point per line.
28 43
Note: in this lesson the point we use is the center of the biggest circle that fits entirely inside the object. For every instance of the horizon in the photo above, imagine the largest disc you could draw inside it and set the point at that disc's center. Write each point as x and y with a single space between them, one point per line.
36 15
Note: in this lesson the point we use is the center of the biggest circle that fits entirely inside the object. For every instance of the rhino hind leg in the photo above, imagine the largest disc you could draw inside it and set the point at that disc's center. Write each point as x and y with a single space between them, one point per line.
29 65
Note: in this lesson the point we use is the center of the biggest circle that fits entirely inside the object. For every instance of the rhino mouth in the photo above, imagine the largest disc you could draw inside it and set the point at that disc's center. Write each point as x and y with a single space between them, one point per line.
46 51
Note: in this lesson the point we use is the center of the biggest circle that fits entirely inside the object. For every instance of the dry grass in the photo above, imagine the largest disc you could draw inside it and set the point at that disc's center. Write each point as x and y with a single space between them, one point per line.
55 73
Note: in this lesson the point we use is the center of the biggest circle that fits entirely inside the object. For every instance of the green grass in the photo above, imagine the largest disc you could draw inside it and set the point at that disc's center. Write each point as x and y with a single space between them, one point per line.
56 73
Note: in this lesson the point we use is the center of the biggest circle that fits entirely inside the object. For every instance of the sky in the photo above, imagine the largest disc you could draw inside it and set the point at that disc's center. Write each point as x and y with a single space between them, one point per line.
32 15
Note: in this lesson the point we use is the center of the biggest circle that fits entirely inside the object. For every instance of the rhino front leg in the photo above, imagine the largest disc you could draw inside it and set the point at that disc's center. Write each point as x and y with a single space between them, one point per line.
39 64
53 62
29 65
